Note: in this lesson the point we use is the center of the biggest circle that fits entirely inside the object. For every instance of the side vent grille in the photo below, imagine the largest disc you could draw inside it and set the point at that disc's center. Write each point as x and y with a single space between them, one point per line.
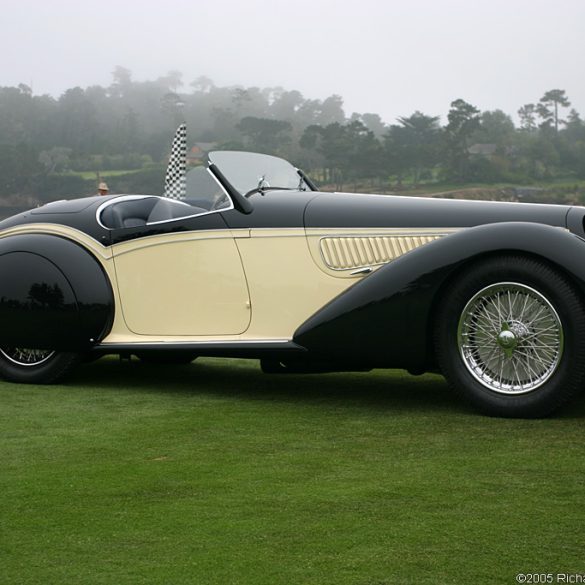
354 252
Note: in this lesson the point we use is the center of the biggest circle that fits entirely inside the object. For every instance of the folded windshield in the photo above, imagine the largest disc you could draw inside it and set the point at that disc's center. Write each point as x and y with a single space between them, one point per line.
248 171
202 190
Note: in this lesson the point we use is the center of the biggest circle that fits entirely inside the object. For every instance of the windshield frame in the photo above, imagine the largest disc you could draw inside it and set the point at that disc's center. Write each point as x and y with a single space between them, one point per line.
301 182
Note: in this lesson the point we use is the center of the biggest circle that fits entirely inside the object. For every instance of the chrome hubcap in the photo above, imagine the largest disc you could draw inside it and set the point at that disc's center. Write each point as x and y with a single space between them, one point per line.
23 356
510 338
507 340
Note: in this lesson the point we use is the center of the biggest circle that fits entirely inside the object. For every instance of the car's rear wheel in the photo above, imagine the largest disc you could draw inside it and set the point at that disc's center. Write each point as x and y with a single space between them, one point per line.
510 337
35 366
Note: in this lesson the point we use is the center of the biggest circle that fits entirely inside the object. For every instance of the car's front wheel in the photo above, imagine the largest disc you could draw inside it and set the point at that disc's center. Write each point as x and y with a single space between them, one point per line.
510 337
35 366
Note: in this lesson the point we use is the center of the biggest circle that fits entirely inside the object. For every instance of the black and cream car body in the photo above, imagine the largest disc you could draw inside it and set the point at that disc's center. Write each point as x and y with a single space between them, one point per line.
255 262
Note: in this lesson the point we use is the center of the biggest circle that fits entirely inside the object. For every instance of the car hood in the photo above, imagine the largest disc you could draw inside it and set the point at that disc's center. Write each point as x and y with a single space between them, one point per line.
360 210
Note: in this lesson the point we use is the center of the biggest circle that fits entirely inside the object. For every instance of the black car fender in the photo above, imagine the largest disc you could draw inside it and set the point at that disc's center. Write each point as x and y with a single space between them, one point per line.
386 318
54 294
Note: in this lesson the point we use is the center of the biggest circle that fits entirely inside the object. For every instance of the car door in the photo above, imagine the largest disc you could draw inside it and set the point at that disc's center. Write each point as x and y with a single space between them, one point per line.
179 276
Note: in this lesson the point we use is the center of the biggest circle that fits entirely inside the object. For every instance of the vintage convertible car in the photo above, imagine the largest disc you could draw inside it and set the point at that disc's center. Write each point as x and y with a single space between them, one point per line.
249 259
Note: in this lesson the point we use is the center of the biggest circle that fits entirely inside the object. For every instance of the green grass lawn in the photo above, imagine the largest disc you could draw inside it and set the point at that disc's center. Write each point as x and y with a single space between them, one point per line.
216 473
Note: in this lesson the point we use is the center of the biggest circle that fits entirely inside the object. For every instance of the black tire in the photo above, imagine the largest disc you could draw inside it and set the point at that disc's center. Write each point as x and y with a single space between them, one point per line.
533 362
176 357
26 366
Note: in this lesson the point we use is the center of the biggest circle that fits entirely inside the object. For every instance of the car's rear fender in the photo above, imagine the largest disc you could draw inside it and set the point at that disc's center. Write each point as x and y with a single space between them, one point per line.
385 319
53 294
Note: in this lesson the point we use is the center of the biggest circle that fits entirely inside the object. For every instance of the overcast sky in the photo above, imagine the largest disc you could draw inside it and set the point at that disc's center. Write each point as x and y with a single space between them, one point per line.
390 57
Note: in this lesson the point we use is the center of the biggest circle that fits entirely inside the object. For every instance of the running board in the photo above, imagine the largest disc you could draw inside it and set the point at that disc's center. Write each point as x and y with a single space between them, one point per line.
244 349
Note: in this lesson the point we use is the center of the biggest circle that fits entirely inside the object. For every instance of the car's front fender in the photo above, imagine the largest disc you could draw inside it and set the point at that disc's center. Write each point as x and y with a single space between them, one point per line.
386 319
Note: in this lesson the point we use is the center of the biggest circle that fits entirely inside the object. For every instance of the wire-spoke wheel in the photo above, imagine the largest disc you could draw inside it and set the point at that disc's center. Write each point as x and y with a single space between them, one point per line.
25 356
35 366
510 337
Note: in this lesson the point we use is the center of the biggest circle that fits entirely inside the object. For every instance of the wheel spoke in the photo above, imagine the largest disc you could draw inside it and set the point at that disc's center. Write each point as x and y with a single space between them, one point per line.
26 357
510 338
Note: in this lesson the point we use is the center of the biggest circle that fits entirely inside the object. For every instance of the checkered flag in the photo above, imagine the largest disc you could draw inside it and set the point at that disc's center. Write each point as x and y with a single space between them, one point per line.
175 186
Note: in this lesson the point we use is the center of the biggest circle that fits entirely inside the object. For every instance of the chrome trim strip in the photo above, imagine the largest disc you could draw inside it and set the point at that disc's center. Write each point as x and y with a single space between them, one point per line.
106 204
210 342
364 270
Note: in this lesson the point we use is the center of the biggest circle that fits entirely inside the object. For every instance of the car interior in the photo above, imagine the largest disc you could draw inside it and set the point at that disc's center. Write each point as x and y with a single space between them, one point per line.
129 213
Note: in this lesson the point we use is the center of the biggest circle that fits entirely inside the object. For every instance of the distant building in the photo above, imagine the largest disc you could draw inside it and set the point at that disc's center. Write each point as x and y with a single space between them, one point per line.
199 151
482 149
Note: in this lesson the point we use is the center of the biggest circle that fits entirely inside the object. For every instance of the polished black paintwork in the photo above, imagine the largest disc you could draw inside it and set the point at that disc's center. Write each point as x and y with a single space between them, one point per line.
273 209
67 206
331 210
576 220
53 294
387 317
211 221
79 214
312 209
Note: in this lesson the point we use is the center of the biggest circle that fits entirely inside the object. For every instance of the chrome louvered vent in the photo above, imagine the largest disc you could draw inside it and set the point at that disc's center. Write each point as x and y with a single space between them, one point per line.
345 253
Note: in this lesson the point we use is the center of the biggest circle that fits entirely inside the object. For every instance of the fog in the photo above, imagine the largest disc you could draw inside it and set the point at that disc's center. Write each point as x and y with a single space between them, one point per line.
389 57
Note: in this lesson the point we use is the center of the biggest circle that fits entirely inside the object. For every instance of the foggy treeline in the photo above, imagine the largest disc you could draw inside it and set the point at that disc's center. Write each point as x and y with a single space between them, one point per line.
54 147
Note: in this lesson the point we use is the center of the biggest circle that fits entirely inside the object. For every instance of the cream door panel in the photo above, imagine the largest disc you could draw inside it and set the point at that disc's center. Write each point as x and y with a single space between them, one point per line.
286 285
183 284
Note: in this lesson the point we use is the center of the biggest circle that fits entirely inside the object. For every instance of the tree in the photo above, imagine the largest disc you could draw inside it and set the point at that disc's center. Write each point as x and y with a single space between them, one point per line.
239 97
364 152
463 120
334 147
19 167
55 159
122 80
414 145
308 113
202 84
495 127
331 111
346 150
572 144
265 135
173 105
554 98
78 121
575 127
527 115
286 104
171 81
371 121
